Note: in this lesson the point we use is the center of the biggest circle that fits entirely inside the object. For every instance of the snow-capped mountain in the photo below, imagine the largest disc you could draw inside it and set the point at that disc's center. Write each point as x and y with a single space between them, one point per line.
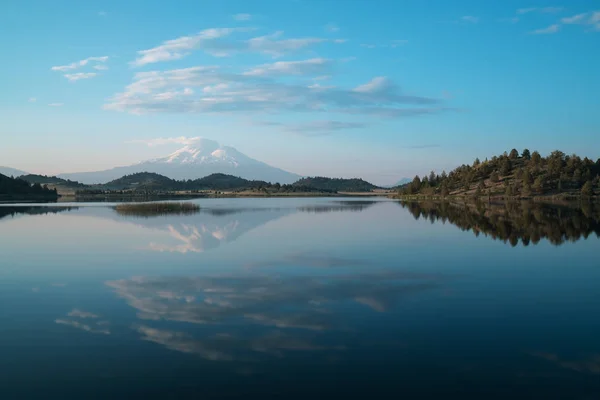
198 160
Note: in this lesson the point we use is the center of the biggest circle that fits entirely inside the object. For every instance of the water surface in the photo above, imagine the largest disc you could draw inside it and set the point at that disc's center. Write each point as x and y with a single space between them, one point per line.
300 298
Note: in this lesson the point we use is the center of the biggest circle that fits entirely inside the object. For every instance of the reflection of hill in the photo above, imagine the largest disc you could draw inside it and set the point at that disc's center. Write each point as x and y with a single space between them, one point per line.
528 222
12 211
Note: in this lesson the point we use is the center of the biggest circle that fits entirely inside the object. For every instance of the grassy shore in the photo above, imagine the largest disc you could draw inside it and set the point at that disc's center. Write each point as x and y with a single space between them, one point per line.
162 208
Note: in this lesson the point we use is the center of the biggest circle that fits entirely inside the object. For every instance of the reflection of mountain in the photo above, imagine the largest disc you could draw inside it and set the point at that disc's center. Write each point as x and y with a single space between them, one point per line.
6 211
205 230
526 221
299 308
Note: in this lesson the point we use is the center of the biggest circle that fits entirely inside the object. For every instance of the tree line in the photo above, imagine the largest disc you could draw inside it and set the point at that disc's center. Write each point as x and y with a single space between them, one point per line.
513 174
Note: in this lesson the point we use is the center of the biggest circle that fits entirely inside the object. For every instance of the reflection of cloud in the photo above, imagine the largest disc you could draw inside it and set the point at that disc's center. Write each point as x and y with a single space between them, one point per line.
297 302
301 321
59 284
81 314
226 347
82 326
590 365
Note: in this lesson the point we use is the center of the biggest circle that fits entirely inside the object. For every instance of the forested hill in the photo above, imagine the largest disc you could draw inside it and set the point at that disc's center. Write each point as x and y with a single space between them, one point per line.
51 180
152 182
18 189
337 184
143 181
514 174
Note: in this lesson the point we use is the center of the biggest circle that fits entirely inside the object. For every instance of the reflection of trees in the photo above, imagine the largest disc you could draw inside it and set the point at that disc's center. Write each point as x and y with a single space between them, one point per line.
528 222
358 205
27 210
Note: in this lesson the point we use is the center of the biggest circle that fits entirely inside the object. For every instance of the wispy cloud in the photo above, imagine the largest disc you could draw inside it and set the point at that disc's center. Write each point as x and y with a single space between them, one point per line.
80 75
242 17
546 31
544 10
100 67
80 63
82 326
170 140
215 42
77 313
315 128
591 18
219 91
393 44
469 18
102 13
55 104
314 66
32 100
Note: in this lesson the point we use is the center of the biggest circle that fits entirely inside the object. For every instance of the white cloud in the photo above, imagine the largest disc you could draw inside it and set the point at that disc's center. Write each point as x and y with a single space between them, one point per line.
575 19
55 104
171 140
32 100
100 67
591 18
80 75
313 66
269 44
549 30
213 42
208 39
220 91
81 326
544 10
102 13
80 63
242 17
82 314
470 18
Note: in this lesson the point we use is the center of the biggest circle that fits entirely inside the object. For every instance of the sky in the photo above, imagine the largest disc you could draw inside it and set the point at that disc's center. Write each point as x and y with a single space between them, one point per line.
378 89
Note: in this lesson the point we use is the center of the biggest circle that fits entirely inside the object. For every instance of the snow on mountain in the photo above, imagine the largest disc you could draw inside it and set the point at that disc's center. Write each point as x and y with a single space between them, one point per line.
194 161
7 171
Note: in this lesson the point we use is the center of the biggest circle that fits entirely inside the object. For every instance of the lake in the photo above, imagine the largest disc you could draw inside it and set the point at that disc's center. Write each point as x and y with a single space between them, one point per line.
300 298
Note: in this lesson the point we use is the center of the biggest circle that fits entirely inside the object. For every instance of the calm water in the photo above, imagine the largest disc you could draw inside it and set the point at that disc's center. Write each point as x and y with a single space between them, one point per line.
300 298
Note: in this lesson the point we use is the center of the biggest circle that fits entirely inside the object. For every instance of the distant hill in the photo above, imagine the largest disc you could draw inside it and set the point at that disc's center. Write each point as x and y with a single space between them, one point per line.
143 181
51 180
150 181
17 189
403 182
514 175
7 171
225 182
337 184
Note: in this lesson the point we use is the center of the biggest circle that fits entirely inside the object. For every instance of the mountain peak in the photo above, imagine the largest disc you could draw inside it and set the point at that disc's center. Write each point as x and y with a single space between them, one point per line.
198 158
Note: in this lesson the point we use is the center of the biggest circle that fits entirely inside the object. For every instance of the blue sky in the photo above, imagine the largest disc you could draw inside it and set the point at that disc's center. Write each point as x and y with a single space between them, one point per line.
377 89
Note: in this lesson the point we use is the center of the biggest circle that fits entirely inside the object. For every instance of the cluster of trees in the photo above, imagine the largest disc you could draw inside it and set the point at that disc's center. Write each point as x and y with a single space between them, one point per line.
514 175
148 182
528 221
51 180
15 189
337 184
